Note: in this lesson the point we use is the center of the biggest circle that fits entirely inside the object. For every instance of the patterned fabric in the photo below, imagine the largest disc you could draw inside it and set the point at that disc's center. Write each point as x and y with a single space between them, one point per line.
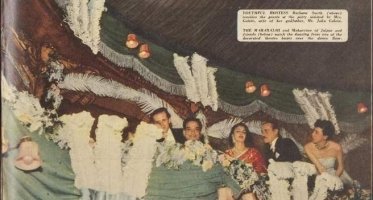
252 156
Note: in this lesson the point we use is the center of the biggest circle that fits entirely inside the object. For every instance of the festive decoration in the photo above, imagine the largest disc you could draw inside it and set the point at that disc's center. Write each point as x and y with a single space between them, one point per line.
323 183
28 158
316 105
106 87
222 128
279 174
361 108
264 91
199 80
84 19
250 87
302 171
28 110
144 51
174 155
132 41
352 141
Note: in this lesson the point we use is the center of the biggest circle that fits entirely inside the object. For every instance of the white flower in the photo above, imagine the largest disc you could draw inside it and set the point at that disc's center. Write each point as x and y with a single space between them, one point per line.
206 165
191 156
200 151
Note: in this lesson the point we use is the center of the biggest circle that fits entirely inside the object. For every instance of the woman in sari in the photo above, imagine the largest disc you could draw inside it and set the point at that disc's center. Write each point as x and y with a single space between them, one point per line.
240 140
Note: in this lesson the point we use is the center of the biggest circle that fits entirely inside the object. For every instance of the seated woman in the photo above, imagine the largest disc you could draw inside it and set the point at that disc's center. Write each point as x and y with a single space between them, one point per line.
240 139
324 153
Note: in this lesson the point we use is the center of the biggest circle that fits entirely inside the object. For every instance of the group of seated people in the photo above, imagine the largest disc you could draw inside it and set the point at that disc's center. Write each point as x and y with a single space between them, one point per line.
321 151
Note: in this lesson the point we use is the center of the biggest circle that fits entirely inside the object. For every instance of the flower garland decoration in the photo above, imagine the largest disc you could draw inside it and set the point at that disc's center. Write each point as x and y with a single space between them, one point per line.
325 182
28 110
83 17
279 174
302 170
174 155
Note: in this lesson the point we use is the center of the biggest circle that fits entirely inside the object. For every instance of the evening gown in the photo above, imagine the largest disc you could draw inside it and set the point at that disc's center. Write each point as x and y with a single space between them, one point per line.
329 164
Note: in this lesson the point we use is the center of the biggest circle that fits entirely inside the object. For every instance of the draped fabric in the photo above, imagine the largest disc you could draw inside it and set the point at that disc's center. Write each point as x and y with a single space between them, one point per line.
55 179
188 183
251 156
160 70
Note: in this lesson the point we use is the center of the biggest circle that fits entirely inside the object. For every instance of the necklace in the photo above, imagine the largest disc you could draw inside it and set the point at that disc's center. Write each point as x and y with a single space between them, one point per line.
238 151
321 148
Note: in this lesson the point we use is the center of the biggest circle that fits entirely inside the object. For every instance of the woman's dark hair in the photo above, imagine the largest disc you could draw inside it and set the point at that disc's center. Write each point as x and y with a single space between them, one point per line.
249 138
326 126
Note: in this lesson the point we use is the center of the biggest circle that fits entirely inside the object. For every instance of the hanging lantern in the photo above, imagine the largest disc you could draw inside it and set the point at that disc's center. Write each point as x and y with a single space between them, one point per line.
250 87
28 155
132 41
144 51
361 108
264 91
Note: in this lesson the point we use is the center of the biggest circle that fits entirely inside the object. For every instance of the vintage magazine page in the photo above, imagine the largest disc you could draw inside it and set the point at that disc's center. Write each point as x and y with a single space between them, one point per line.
186 99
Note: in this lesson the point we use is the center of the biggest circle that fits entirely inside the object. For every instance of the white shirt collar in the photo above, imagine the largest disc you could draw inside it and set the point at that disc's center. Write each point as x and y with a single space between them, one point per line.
273 143
169 137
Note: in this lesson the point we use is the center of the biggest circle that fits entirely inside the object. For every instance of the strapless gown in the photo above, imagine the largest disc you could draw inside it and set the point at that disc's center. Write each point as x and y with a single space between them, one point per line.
329 164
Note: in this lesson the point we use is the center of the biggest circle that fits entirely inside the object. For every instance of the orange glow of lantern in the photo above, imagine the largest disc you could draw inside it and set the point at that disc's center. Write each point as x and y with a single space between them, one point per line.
132 41
264 91
250 87
144 51
361 108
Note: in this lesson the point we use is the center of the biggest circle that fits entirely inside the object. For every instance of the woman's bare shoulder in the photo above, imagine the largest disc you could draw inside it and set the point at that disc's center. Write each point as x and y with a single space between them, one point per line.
334 145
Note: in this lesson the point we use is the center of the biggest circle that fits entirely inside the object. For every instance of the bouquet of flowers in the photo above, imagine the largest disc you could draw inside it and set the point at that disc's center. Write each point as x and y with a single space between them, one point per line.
174 155
246 177
243 173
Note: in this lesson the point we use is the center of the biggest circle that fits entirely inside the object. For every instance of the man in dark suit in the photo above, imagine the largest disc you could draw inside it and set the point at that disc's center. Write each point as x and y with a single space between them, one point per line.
162 119
278 148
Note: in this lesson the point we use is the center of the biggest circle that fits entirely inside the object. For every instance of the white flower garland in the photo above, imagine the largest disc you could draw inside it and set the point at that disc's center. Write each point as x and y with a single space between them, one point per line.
199 80
27 109
174 155
75 134
279 173
302 171
316 105
108 153
139 159
323 183
83 17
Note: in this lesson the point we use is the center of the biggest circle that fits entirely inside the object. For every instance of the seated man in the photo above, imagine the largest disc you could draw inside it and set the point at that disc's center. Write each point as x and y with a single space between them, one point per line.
192 129
278 148
189 181
162 119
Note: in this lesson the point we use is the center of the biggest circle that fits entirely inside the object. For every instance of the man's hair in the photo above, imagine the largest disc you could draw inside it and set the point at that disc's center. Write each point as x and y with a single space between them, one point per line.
157 111
273 123
326 126
191 119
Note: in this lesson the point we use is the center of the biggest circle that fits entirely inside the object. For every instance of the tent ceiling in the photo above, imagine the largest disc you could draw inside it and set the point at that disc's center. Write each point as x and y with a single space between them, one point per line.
209 28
